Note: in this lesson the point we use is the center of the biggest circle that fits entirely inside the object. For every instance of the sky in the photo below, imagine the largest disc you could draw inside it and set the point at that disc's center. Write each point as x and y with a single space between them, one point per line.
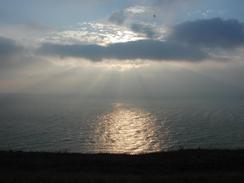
130 48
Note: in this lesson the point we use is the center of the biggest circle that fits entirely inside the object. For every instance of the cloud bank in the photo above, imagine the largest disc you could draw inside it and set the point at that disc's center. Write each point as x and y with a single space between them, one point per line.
142 49
189 41
8 48
210 33
145 29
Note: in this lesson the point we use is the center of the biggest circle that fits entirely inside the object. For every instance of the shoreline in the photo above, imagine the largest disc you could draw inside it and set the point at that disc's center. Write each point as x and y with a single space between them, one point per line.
201 165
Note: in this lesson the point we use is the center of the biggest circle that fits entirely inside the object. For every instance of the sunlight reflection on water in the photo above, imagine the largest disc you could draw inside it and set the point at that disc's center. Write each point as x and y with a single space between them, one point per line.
102 126
127 129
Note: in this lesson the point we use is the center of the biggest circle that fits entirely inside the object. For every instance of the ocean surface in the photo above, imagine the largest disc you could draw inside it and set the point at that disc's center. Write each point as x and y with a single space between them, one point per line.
76 124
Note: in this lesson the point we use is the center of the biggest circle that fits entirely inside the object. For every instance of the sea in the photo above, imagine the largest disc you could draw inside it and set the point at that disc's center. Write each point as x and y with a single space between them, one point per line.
131 126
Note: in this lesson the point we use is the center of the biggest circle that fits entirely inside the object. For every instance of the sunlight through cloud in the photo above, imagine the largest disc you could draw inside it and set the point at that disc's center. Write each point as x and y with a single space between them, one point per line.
93 33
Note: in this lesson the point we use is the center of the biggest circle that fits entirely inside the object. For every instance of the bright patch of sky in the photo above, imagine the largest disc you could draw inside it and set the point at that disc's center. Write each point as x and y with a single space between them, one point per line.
93 33
50 39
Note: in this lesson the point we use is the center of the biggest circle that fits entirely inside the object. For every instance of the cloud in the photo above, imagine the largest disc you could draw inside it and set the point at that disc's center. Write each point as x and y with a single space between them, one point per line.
92 33
148 30
192 41
118 17
14 56
169 2
210 33
136 10
128 18
186 42
13 61
142 49
8 48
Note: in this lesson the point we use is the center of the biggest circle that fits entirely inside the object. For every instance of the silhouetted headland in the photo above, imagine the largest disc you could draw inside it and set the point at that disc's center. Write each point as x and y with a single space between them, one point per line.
177 166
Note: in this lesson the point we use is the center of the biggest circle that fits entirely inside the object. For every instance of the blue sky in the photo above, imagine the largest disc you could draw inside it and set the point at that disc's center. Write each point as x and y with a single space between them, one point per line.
193 47
64 13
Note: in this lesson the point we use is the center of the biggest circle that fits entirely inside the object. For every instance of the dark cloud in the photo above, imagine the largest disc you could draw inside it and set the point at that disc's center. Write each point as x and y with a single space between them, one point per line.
118 18
186 42
192 41
149 31
165 2
8 48
177 5
168 2
143 49
14 56
210 33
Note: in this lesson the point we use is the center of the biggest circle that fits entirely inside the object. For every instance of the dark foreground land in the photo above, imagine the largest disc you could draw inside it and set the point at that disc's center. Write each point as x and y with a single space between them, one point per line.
179 166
